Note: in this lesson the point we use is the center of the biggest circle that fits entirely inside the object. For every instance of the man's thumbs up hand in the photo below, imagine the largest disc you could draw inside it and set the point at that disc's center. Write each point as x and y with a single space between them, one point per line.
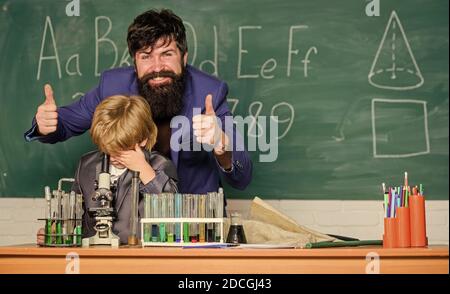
209 108
207 130
47 115
49 95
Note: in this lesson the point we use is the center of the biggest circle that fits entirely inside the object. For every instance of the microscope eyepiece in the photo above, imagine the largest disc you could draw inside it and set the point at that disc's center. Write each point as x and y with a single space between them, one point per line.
105 163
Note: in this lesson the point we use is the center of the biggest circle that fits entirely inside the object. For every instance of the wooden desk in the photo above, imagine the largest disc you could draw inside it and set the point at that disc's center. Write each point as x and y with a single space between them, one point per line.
31 259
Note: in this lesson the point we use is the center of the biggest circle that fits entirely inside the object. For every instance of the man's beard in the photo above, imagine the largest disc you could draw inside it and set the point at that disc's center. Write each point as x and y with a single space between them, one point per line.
166 100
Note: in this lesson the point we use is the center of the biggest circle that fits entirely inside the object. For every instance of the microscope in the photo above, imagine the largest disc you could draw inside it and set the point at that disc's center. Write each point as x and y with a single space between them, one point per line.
105 213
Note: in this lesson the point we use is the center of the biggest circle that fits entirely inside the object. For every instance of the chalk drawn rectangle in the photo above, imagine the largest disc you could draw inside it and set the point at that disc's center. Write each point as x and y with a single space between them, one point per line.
400 123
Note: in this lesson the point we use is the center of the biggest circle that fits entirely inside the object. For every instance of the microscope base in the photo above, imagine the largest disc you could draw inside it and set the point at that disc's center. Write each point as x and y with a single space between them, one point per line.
112 241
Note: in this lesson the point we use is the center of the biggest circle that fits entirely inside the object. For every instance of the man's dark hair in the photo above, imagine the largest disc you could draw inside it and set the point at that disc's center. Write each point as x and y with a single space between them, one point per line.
153 25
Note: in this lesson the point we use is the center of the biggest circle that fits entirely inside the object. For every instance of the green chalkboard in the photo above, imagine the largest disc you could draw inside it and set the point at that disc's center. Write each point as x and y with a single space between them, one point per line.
360 99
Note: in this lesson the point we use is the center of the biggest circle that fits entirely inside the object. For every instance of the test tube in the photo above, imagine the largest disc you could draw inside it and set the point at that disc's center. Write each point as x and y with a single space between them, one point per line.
219 214
48 221
53 229
186 214
178 210
65 217
201 214
147 226
71 221
170 214
154 211
162 210
210 205
78 217
132 237
58 217
193 227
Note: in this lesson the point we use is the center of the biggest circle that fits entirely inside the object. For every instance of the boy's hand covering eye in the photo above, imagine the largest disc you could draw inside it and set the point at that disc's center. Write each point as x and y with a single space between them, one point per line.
133 159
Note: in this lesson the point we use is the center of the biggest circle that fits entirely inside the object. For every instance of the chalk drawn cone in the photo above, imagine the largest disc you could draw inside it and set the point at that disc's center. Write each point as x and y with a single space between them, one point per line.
395 66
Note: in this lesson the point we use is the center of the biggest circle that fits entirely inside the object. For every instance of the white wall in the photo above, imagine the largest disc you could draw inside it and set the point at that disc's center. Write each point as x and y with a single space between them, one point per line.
360 219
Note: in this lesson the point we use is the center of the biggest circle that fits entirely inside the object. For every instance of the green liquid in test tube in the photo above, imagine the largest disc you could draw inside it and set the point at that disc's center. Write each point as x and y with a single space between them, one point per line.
58 232
48 231
79 232
147 226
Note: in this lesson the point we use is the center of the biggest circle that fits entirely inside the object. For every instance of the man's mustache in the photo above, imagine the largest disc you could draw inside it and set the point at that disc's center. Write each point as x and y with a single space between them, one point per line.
160 74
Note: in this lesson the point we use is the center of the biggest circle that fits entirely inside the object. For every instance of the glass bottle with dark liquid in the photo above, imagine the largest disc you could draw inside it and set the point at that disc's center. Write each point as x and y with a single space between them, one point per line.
236 233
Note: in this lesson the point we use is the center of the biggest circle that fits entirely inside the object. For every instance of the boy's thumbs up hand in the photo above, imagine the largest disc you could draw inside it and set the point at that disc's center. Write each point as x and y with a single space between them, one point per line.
47 115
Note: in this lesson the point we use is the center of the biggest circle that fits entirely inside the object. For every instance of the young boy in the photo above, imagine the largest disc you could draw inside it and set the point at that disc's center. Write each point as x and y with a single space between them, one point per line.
123 128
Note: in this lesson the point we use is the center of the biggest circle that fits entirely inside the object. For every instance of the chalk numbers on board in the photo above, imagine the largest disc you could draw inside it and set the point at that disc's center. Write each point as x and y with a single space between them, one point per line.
283 113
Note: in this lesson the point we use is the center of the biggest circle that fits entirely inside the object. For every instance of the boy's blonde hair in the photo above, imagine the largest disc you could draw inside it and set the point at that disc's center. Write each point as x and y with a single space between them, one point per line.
120 122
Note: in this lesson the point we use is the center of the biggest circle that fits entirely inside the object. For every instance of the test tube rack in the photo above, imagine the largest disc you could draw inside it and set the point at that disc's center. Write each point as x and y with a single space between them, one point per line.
62 226
177 220
60 239
181 222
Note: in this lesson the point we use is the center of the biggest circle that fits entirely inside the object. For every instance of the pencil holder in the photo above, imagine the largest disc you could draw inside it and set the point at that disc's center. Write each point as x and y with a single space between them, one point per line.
403 227
390 237
417 219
